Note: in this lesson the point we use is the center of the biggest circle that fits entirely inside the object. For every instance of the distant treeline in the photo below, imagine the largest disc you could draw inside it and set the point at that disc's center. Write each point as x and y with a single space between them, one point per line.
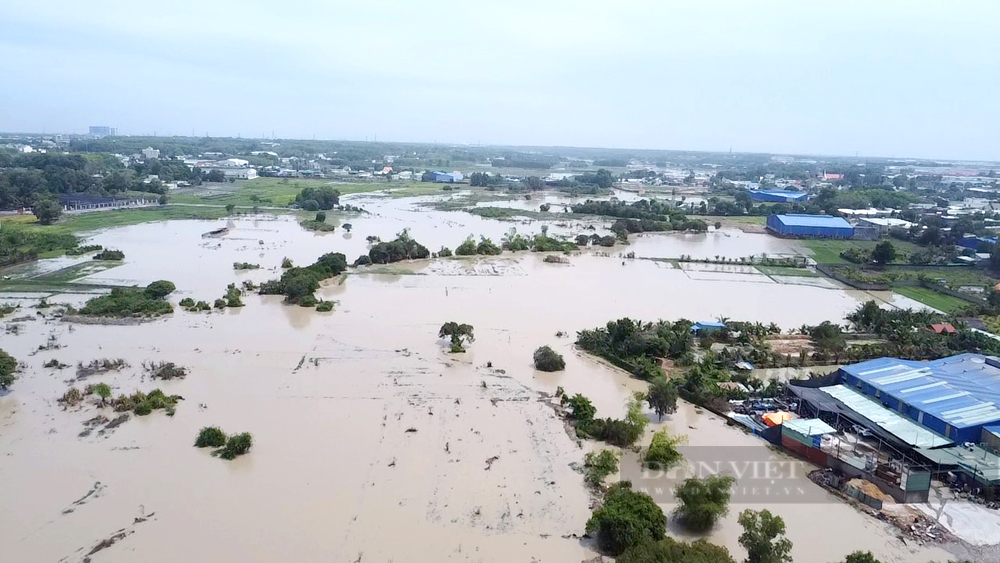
25 178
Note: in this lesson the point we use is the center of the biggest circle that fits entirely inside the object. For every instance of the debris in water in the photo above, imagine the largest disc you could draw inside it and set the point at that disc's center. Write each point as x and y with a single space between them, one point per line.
410 430
489 462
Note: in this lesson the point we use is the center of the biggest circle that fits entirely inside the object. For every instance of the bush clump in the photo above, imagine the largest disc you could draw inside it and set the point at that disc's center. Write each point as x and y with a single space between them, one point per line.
286 263
325 306
187 302
363 260
703 501
662 453
8 365
131 301
165 370
297 283
142 404
233 296
210 437
245 266
236 445
547 359
84 249
403 248
110 255
626 519
445 252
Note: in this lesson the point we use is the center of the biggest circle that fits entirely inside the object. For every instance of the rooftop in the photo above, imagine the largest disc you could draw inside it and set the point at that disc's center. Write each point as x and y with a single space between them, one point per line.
903 429
781 193
803 220
961 390
809 426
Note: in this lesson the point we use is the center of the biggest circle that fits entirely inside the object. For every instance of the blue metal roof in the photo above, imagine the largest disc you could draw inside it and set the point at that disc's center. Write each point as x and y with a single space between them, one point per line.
804 220
962 390
780 193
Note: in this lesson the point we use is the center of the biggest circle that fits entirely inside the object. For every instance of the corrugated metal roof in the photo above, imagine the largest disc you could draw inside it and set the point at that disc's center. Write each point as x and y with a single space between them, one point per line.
809 426
994 429
962 390
974 460
780 193
803 220
906 431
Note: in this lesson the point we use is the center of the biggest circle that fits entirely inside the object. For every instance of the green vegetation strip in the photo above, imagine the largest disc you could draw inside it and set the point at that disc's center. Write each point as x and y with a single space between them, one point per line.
931 298
786 271
828 251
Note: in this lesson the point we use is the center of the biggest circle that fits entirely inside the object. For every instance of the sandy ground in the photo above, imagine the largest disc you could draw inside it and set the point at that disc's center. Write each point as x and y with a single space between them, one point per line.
371 441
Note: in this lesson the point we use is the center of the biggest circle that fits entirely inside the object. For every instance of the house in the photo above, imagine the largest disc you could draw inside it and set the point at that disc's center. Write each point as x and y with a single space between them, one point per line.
150 153
942 328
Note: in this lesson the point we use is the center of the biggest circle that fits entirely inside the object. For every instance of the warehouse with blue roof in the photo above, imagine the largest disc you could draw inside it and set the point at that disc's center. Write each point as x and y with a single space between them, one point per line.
956 397
803 225
777 196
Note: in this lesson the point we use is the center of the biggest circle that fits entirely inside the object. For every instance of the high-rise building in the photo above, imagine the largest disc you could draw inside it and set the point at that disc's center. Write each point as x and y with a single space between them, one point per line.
102 131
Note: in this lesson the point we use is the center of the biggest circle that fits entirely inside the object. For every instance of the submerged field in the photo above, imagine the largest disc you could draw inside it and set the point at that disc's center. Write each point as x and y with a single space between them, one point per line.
371 441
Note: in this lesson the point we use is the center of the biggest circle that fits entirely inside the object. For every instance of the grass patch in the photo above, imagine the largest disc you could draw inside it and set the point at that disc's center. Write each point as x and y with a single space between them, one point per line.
931 298
142 404
786 271
826 251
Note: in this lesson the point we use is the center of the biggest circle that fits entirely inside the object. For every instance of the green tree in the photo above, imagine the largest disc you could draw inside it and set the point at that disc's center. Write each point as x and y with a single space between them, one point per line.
230 208
320 216
669 550
883 253
597 466
604 178
580 407
861 557
103 390
163 199
457 333
626 519
160 289
662 453
8 365
347 227
47 211
764 537
703 501
547 359
662 397
215 176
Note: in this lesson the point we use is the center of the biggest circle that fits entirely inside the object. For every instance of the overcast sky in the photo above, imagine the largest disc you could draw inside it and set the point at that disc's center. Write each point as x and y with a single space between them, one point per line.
878 78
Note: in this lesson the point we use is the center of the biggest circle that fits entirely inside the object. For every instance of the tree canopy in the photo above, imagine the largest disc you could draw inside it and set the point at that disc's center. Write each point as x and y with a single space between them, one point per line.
703 501
457 333
626 519
8 365
764 537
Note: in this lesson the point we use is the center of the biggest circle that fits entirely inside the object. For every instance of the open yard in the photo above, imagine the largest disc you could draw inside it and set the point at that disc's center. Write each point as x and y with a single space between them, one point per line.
931 298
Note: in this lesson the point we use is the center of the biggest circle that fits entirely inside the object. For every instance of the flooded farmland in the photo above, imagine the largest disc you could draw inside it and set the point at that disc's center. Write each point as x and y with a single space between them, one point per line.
371 441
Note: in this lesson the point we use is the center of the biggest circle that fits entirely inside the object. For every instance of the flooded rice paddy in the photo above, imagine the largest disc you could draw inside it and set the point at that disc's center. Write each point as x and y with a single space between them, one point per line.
371 442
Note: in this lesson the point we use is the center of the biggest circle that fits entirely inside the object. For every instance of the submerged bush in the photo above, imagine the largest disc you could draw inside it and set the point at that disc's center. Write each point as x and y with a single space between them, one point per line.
245 266
110 255
286 263
325 306
142 404
210 437
597 467
403 248
236 445
165 370
547 359
186 302
445 252
297 283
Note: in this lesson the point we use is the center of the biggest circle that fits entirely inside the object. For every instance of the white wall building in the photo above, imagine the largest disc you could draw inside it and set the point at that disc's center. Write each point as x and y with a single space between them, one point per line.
150 152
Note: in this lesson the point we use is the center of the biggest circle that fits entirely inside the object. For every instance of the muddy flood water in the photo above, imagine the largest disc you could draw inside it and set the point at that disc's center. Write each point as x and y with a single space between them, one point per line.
371 441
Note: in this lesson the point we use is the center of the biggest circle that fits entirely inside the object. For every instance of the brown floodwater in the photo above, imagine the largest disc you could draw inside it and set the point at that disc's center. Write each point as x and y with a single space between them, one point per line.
371 442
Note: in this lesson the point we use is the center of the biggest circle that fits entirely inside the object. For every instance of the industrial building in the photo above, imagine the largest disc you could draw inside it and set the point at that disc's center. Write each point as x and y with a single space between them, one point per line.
102 131
955 397
447 177
802 225
777 196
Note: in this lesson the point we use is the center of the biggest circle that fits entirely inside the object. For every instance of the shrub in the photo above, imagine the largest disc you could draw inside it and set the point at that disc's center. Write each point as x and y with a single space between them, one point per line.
236 445
84 249
71 397
363 260
308 301
245 266
187 302
233 296
296 283
321 217
110 255
626 519
662 453
403 248
467 248
324 306
220 303
286 263
445 252
580 407
487 247
142 404
210 437
547 359
203 306
597 466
